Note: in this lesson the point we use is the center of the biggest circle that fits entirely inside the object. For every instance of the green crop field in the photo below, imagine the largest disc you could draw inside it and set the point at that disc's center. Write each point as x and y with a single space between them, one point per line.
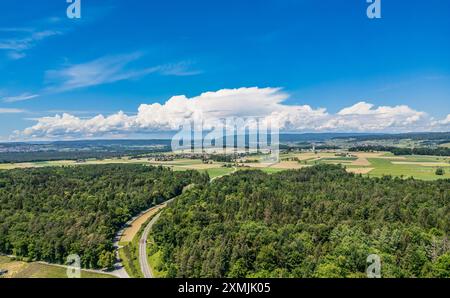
342 160
426 158
386 167
272 170
217 172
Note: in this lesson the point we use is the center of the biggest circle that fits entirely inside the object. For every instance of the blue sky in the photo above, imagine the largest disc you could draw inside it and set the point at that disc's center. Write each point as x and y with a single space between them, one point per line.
122 54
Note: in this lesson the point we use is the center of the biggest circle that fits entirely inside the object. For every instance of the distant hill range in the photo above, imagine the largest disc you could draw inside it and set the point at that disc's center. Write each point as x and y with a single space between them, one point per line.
418 136
284 138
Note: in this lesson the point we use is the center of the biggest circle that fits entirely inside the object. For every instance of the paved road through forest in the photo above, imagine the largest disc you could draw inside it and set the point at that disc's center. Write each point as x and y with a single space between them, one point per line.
143 259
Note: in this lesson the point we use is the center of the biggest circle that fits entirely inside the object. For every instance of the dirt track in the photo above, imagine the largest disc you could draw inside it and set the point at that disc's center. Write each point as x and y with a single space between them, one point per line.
133 229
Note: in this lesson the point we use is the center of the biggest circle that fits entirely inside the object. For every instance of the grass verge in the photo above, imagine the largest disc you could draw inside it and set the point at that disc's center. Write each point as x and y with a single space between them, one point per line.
155 259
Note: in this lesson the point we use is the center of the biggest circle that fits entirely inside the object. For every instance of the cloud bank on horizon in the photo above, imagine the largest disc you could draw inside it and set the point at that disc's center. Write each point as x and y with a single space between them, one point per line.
267 104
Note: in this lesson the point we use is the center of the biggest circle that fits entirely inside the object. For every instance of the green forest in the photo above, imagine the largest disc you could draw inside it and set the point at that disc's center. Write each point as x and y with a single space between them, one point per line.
49 213
441 151
315 222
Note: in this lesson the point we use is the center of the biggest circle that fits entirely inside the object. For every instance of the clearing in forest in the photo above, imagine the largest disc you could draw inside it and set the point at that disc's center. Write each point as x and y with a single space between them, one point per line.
133 229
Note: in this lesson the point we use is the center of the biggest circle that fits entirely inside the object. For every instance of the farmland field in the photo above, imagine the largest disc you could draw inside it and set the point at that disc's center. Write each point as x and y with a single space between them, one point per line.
379 164
19 269
374 164
218 172
386 167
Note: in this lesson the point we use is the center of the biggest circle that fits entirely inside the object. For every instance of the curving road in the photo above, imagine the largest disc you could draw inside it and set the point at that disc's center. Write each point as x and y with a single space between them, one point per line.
143 258
119 270
143 261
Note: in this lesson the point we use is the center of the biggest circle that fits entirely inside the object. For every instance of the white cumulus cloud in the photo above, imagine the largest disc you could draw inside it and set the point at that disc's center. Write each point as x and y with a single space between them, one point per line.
364 116
264 103
446 121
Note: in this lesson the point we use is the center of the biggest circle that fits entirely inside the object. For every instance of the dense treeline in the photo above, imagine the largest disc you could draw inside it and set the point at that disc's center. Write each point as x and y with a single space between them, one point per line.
314 222
221 157
308 147
38 156
441 151
418 136
50 213
41 156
